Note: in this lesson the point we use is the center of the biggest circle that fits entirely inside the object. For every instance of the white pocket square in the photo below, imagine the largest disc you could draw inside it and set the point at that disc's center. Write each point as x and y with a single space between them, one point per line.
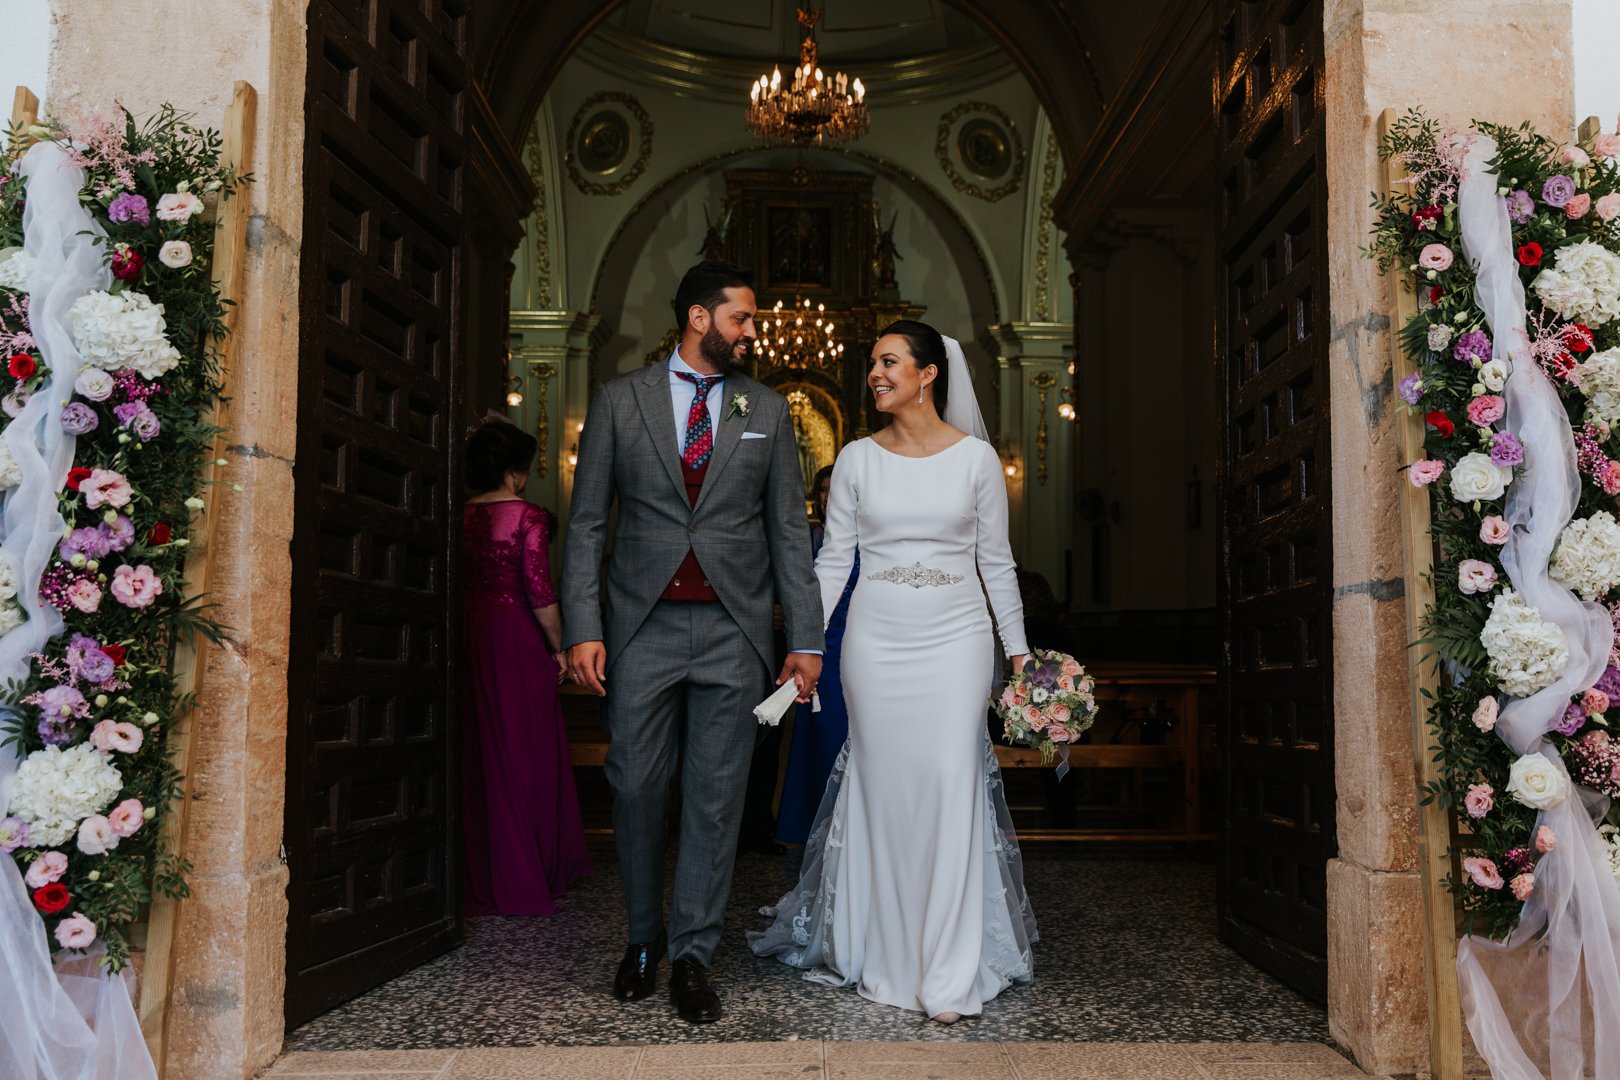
753 434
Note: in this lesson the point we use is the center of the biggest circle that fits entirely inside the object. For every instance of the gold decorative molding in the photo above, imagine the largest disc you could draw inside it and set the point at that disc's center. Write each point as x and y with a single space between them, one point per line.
942 151
543 373
1043 384
1043 235
643 152
541 228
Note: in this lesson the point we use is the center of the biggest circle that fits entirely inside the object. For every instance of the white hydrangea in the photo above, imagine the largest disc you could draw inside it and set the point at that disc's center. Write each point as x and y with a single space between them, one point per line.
1600 385
14 267
1587 558
1583 283
123 331
1527 652
10 471
1611 848
8 580
55 789
11 617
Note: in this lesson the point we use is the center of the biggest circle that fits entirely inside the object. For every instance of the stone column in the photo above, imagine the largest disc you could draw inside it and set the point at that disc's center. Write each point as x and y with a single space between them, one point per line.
1032 361
551 355
1499 60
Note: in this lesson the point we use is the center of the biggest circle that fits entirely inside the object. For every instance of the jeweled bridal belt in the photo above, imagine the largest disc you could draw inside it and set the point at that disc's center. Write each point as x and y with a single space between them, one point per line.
916 575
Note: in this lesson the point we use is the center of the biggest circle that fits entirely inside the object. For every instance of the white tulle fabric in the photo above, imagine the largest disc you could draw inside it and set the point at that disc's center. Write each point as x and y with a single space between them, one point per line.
73 1021
1545 1003
961 403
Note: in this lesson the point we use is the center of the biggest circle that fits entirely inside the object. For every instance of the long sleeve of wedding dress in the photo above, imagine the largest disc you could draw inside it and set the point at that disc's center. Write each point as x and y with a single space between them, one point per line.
837 555
995 558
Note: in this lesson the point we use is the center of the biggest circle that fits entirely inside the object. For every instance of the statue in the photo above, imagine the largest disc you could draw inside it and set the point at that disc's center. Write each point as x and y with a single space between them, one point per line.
884 253
714 237
808 465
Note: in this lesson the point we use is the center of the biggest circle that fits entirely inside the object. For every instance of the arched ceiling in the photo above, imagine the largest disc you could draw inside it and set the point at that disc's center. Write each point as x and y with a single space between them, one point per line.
759 30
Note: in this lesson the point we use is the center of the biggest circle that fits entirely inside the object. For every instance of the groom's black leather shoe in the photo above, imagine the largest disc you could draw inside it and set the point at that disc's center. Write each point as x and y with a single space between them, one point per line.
689 989
637 976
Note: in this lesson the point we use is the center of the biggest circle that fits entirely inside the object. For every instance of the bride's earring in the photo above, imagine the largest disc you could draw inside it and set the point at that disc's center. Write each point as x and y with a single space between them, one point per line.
919 395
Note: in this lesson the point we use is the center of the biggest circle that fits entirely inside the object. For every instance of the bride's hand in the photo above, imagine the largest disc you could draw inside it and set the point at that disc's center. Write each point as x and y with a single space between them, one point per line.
1015 664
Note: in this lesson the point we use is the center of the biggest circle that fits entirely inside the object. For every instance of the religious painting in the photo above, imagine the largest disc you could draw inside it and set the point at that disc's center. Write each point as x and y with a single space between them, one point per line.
799 246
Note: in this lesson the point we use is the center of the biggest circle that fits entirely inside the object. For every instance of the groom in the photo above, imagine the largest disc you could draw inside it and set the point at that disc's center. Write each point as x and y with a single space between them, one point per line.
711 531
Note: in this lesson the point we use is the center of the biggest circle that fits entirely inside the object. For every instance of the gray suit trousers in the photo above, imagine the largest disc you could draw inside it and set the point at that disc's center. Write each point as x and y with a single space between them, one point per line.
682 691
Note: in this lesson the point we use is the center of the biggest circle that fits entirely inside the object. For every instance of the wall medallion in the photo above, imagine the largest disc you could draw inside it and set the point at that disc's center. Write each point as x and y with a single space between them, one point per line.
609 143
979 149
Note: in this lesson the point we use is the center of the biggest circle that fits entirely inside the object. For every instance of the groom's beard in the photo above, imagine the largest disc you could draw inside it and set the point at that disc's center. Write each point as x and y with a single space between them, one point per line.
719 352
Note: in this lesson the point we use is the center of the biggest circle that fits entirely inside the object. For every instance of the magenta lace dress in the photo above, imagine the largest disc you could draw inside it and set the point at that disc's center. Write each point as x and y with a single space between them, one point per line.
525 843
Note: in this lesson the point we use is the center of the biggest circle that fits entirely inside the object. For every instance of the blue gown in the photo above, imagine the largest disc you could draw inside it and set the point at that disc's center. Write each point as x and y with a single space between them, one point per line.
817 736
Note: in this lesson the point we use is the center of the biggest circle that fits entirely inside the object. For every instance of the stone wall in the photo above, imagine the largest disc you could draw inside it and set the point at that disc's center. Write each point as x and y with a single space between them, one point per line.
1454 59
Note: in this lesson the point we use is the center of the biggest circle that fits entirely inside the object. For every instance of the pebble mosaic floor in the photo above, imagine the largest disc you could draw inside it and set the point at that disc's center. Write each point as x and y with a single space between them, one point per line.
1128 953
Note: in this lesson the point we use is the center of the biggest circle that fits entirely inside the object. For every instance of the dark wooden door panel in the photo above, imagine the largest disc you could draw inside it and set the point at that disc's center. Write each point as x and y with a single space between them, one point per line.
1276 596
373 679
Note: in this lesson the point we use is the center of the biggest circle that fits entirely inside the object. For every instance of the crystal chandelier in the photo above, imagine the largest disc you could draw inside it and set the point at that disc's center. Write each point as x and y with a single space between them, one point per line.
799 336
810 108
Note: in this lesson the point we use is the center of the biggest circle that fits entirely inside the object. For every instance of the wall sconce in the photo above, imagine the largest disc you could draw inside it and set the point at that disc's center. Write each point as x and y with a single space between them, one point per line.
514 396
1009 459
1066 409
573 451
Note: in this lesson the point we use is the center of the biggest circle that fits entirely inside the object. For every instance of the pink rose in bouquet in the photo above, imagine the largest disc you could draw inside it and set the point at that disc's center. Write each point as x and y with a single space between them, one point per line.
1523 886
1577 206
1047 703
1478 801
1485 410
1546 839
1483 872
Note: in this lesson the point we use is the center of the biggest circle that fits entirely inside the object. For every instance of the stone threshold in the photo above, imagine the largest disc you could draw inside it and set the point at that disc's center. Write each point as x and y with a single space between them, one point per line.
812 1059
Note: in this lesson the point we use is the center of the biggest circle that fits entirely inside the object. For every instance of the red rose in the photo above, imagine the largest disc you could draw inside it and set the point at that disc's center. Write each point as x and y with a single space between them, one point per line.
77 476
1578 338
22 365
1435 293
1563 364
52 898
116 652
1441 423
1427 218
127 264
159 534
1530 254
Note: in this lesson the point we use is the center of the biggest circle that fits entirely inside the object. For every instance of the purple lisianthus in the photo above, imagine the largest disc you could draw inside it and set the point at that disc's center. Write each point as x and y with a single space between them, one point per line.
1574 717
1473 348
87 661
128 207
13 834
58 730
119 535
145 425
62 702
1506 449
1609 683
1520 206
1557 191
128 411
1411 389
91 542
79 419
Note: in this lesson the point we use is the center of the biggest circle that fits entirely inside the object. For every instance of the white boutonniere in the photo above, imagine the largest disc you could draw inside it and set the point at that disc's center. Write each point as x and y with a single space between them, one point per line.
739 406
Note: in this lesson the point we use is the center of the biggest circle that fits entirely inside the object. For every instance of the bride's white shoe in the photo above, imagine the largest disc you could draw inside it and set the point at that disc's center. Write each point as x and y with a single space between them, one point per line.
946 1018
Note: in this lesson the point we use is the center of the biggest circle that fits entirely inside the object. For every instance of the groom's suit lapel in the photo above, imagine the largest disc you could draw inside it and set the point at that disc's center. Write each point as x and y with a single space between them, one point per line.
728 435
658 412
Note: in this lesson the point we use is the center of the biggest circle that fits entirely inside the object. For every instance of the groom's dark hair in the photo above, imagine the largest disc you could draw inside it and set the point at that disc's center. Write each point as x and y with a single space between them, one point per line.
927 347
706 284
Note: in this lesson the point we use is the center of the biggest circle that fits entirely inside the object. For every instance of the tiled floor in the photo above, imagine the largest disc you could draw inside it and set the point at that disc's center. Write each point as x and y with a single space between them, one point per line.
1128 953
816 1060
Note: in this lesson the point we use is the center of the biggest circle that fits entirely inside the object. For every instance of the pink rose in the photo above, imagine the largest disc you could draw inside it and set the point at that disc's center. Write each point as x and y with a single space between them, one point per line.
1020 698
1485 410
1546 839
1007 697
1033 715
1609 205
1425 472
1574 155
1474 576
1595 702
75 932
96 836
178 206
135 586
1057 734
1057 715
1071 668
1493 529
1435 257
1065 683
1483 872
1485 713
1576 209
1610 480
105 488
47 868
1478 801
1606 145
85 595
1523 886
127 817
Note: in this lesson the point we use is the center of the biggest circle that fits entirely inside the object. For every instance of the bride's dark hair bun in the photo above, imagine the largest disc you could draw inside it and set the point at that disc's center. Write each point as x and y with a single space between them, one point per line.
927 346
495 449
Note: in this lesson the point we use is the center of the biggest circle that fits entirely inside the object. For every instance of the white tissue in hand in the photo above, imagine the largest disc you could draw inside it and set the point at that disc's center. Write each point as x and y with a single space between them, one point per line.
771 710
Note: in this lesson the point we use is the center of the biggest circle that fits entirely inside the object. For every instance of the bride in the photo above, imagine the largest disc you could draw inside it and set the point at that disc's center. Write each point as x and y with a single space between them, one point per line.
912 886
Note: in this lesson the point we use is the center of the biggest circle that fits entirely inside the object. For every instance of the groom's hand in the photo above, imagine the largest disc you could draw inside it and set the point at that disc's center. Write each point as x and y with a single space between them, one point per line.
806 669
587 665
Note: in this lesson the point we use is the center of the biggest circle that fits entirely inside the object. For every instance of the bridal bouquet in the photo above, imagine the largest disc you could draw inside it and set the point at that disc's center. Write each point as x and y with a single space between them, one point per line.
1047 702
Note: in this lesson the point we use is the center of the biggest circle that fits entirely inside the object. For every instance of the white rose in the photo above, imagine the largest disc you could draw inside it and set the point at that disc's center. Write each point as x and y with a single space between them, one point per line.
1476 478
175 254
1494 375
1537 782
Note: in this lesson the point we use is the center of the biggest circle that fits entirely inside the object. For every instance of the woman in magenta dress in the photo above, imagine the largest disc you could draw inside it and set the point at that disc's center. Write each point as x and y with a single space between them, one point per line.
524 839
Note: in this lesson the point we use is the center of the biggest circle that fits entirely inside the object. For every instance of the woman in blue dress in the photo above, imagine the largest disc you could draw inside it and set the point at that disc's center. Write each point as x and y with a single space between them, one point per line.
817 736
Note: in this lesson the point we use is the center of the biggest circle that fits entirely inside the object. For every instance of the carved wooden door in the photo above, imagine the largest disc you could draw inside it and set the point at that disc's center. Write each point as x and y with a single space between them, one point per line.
1276 596
373 680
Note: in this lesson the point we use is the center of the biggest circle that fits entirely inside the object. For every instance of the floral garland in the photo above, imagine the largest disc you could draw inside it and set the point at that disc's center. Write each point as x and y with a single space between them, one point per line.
84 821
1563 201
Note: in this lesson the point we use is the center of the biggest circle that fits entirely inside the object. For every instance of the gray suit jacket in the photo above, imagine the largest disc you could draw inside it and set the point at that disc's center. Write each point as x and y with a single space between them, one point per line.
748 528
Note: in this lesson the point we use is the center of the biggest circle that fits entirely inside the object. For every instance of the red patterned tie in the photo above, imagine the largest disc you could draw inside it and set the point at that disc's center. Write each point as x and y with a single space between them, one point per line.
699 431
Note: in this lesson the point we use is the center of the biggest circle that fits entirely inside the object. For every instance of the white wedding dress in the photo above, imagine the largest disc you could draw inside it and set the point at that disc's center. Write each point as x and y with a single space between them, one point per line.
912 886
